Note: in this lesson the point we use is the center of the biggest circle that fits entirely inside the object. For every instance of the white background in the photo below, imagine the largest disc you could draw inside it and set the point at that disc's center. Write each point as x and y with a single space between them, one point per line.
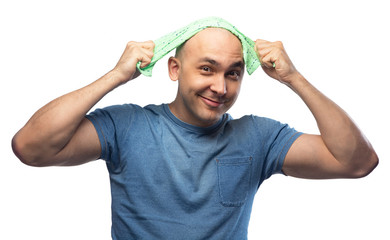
48 48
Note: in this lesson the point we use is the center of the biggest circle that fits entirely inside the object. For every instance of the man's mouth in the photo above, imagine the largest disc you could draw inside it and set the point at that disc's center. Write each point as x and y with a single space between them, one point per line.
211 102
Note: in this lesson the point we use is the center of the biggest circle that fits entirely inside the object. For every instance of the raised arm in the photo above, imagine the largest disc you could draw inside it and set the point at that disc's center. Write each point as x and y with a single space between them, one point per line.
58 133
341 150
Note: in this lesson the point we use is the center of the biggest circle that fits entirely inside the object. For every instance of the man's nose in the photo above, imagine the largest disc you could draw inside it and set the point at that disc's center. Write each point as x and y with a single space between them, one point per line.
218 85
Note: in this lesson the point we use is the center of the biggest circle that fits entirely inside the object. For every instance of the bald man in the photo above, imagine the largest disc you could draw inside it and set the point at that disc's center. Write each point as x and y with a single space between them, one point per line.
187 170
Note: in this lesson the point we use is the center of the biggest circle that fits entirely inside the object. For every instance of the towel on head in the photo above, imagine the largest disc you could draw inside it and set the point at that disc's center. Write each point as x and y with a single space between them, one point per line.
172 40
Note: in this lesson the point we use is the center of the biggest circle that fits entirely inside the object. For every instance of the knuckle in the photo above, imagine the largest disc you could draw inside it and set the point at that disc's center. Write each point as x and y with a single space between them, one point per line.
258 42
151 43
279 44
130 44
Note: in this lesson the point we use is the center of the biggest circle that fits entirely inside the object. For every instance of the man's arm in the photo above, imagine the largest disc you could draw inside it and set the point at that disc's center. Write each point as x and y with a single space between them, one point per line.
59 133
341 151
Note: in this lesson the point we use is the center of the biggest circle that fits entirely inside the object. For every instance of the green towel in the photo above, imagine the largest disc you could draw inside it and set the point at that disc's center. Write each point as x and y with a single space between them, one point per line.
172 40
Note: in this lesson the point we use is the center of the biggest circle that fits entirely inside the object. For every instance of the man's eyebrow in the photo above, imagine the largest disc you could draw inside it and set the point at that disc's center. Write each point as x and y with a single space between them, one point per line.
238 64
215 63
211 61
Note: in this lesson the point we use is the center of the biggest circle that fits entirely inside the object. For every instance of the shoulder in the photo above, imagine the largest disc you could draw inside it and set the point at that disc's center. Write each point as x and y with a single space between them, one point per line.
260 123
126 110
259 127
115 109
115 115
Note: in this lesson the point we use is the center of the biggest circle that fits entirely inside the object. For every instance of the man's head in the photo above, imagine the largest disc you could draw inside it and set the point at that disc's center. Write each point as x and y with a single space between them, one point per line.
209 68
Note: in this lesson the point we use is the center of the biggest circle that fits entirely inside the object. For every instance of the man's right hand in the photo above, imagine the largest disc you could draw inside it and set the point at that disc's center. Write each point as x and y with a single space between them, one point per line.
135 52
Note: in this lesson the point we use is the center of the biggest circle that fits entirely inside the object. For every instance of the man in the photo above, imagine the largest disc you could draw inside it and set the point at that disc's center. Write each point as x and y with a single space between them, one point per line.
187 170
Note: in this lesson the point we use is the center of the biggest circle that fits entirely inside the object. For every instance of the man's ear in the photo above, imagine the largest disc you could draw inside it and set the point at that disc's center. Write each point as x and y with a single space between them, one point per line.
174 66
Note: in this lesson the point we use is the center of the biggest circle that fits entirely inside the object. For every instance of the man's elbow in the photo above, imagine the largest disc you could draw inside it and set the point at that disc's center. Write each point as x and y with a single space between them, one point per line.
20 149
367 167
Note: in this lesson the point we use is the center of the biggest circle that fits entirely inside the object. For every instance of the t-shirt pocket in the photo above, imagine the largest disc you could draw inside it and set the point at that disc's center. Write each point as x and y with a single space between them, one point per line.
234 176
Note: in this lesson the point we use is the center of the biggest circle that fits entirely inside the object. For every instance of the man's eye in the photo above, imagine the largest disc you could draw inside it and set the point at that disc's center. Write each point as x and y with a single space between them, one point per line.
234 74
206 69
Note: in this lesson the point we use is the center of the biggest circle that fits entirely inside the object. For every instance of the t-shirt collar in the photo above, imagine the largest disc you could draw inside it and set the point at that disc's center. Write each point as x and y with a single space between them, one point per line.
193 128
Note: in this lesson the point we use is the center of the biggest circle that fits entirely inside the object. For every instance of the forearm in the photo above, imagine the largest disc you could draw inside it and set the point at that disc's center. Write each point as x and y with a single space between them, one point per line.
341 150
340 134
52 126
57 131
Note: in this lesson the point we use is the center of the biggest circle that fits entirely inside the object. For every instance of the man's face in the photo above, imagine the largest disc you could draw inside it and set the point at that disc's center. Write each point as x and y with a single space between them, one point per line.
209 68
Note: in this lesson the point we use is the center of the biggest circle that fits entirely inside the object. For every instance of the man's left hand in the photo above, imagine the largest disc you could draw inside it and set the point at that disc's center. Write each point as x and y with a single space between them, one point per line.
275 61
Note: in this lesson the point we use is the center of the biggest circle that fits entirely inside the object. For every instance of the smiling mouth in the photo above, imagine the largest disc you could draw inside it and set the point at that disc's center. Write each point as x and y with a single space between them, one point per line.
210 102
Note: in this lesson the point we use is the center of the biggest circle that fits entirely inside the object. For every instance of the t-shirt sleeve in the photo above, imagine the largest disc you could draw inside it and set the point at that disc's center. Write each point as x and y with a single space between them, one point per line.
276 139
111 123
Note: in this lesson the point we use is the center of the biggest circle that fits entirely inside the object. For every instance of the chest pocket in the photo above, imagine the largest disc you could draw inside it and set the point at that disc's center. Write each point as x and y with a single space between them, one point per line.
234 176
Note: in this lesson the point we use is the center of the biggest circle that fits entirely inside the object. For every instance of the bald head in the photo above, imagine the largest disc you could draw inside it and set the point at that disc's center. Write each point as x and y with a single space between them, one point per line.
212 38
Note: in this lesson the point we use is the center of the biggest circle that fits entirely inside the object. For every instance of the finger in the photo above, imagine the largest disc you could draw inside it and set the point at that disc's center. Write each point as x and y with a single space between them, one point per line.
266 57
267 63
264 52
145 57
261 41
148 45
147 52
262 44
145 61
263 48
271 58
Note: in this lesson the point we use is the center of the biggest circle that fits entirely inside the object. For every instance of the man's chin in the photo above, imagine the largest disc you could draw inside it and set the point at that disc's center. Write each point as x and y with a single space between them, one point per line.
210 120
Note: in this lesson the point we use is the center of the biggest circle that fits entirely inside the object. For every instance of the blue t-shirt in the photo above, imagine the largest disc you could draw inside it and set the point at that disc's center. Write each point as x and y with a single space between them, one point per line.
172 180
